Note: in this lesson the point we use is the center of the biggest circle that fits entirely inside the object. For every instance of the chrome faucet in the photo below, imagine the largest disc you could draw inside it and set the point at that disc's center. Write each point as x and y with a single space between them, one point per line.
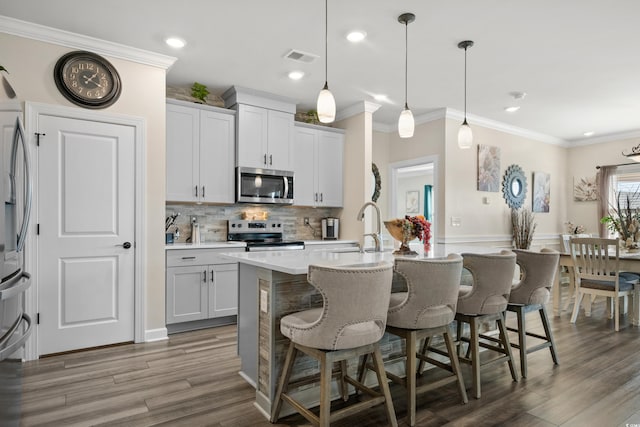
376 236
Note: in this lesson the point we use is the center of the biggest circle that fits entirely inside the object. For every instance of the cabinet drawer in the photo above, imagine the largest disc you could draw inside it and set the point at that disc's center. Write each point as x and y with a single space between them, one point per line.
186 257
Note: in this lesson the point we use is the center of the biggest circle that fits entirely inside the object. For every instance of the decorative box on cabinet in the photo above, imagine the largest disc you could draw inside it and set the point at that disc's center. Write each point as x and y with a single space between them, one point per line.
200 284
264 128
200 153
318 160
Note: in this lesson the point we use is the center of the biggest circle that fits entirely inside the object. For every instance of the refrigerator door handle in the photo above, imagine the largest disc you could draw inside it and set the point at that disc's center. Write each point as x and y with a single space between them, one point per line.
7 351
18 135
13 288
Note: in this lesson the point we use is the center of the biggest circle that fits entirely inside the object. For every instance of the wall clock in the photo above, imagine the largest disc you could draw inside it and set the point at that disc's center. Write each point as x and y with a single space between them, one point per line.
87 79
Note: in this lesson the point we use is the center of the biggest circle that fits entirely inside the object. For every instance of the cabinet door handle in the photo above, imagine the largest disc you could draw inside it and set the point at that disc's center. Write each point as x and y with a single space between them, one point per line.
196 191
321 197
315 197
212 276
204 276
270 159
203 191
265 159
188 257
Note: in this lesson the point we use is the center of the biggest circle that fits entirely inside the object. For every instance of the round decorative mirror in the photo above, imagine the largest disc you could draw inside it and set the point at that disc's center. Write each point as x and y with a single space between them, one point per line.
377 183
514 187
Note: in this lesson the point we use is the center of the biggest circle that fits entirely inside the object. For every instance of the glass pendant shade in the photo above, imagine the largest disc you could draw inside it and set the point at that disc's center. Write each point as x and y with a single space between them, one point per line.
406 123
326 105
465 136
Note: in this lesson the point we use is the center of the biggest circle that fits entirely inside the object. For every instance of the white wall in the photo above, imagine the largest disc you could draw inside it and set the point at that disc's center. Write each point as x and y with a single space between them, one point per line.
31 64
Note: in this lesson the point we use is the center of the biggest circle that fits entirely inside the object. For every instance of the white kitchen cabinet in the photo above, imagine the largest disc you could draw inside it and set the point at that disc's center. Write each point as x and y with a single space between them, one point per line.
265 138
200 153
200 284
318 162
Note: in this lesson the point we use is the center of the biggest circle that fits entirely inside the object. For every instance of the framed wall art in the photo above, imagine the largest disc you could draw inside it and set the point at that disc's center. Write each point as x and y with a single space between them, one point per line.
412 203
585 189
541 191
488 168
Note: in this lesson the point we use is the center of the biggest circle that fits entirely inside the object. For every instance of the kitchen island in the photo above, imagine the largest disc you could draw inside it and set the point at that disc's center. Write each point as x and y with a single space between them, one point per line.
274 284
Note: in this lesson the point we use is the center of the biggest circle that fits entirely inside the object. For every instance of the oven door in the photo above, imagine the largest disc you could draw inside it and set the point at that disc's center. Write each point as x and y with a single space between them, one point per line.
264 186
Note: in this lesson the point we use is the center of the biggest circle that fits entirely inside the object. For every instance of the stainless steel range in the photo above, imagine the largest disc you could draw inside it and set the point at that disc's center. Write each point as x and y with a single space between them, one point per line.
261 235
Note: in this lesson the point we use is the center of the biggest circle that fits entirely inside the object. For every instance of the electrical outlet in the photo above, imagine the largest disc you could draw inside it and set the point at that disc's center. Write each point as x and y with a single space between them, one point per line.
306 221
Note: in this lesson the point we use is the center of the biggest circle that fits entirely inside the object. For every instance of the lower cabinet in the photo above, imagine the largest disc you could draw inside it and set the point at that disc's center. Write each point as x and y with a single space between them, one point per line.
200 284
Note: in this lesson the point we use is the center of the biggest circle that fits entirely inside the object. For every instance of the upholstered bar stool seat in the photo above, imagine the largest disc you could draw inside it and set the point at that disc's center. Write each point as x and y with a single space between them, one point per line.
350 324
425 311
483 302
531 293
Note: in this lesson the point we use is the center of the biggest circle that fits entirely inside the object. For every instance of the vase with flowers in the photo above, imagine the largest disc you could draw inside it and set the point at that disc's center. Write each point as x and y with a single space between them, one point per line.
407 229
624 220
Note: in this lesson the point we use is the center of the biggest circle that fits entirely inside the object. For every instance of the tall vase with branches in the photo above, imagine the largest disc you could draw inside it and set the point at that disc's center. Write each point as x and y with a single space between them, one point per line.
523 226
624 219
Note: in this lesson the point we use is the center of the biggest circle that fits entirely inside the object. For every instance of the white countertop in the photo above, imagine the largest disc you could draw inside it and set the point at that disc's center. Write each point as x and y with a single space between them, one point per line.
330 242
297 262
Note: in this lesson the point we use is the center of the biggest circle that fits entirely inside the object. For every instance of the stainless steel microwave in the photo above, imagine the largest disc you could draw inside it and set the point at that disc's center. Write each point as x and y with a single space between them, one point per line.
264 186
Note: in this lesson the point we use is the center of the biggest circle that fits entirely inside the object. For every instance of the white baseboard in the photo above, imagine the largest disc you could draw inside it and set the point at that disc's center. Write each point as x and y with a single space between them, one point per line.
159 334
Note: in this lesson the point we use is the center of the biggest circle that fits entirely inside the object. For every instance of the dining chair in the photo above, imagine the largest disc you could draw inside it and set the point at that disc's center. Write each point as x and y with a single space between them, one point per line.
597 273
350 324
566 275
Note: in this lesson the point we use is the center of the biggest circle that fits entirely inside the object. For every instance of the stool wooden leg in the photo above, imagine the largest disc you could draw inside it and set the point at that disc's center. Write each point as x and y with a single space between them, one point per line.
455 365
474 345
507 347
384 386
547 332
424 351
326 365
343 384
362 371
410 368
283 384
522 340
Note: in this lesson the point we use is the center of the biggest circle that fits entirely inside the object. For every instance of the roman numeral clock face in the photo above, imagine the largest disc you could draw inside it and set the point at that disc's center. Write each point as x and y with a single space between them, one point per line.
87 79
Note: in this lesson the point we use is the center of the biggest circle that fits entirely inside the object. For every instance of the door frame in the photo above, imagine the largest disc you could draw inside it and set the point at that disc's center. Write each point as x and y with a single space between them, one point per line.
393 188
32 112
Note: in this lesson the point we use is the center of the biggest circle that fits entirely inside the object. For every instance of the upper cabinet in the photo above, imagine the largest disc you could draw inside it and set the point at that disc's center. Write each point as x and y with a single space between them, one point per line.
264 127
318 162
265 138
200 153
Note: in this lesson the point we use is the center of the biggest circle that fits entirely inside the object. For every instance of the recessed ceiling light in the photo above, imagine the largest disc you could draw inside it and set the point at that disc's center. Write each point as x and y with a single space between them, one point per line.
518 95
356 36
512 109
381 97
590 133
175 42
296 75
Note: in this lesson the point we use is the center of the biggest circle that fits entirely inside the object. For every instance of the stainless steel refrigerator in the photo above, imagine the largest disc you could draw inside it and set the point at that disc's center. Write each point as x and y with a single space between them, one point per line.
15 324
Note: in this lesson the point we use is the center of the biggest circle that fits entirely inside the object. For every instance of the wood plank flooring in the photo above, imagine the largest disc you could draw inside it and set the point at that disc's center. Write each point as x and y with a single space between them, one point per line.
192 380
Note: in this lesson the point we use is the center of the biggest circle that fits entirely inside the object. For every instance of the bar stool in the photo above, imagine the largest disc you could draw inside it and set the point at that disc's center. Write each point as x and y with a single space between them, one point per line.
350 324
485 301
425 311
531 293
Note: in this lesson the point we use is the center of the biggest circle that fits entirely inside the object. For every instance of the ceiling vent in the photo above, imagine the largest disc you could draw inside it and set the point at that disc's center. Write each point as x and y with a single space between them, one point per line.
300 56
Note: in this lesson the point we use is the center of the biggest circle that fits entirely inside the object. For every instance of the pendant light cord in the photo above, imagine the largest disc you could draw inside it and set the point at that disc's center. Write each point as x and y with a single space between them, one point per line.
406 62
326 41
465 84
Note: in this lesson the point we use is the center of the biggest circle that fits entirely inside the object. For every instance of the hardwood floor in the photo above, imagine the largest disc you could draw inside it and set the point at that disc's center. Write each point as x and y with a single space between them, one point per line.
192 380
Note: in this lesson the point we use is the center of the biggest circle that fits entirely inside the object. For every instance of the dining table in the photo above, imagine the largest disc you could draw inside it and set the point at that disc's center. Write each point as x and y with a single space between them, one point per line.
629 261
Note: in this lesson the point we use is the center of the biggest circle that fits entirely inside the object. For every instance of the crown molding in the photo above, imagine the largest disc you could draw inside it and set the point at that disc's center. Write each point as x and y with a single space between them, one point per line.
606 138
38 32
357 108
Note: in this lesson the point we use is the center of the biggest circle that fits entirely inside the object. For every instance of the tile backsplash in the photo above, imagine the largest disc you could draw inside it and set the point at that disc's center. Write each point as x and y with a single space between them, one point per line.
213 219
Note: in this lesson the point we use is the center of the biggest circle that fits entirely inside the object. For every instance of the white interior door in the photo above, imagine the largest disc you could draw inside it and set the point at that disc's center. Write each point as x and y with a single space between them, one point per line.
86 248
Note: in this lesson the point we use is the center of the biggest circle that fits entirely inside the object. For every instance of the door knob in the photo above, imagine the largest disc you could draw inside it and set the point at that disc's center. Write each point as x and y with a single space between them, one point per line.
125 245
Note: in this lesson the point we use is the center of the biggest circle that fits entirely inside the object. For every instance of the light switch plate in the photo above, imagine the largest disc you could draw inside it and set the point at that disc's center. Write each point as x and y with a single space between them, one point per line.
264 305
456 221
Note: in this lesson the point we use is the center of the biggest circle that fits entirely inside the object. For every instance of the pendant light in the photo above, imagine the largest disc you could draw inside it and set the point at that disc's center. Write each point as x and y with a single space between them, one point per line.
465 136
326 107
406 124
